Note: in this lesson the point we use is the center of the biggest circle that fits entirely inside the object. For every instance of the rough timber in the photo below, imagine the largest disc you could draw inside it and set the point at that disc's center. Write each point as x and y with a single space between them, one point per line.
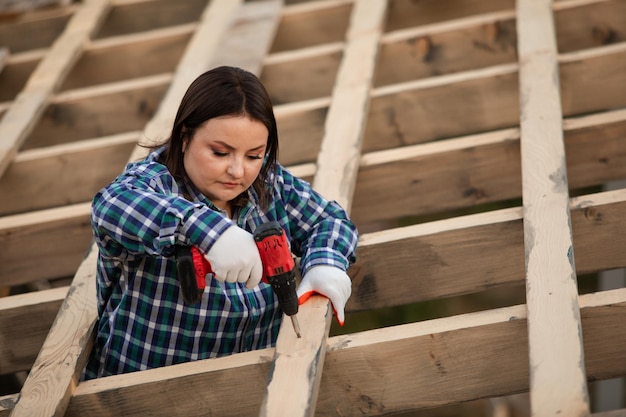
470 140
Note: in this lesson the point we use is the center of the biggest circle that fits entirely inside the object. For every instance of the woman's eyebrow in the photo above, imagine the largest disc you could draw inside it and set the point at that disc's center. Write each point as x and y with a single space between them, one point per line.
229 147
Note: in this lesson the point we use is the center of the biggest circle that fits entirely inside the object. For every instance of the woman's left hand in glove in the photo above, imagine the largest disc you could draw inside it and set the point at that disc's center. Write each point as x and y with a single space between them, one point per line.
330 282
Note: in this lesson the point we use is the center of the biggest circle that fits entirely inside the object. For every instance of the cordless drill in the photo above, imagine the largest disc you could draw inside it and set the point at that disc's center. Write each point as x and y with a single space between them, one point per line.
278 269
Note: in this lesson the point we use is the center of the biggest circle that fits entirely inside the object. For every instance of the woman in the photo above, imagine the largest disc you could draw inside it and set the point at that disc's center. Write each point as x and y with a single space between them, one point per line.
213 181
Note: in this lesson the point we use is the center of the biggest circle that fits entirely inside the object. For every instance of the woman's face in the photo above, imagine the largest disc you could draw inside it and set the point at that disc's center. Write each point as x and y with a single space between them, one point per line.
225 156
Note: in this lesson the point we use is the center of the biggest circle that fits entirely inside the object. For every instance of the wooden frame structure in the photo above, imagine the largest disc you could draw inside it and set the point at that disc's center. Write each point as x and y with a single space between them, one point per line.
469 140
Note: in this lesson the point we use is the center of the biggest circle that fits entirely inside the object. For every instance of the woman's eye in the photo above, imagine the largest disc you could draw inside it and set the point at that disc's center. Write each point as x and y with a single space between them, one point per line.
218 153
255 157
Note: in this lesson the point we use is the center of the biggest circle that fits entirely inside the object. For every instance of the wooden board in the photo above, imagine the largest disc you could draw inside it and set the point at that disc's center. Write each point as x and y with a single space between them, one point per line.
24 323
554 329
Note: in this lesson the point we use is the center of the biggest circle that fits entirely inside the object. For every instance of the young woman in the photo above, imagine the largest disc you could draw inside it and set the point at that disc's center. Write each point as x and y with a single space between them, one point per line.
213 181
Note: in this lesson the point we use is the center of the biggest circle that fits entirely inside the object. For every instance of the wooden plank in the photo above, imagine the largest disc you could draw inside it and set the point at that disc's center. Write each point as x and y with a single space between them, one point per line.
441 107
102 110
589 24
15 74
38 179
408 13
58 236
378 372
69 336
300 133
590 79
438 259
305 25
554 327
303 79
475 253
126 17
18 122
447 47
157 392
248 41
479 169
35 30
129 56
25 320
295 377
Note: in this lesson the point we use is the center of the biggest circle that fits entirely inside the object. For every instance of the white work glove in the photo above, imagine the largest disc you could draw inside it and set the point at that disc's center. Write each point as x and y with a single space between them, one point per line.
234 257
330 282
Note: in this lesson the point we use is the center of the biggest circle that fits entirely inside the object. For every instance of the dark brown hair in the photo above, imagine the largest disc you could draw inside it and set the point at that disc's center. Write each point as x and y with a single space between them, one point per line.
223 91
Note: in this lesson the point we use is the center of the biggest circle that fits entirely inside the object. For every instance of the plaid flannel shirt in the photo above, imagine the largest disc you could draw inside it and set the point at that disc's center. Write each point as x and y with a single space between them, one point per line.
143 321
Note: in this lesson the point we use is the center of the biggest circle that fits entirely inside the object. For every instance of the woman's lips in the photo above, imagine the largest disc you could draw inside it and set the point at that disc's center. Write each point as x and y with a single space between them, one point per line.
230 184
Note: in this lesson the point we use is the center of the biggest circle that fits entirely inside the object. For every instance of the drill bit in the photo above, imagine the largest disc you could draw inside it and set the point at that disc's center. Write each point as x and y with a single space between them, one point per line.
296 325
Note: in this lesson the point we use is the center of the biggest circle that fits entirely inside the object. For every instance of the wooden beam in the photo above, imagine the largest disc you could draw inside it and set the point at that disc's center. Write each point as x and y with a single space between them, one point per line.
18 122
303 79
129 56
554 326
158 391
64 352
127 17
396 369
35 30
248 42
305 25
408 13
297 367
37 179
589 23
101 110
474 253
447 47
478 169
59 237
16 72
588 79
25 320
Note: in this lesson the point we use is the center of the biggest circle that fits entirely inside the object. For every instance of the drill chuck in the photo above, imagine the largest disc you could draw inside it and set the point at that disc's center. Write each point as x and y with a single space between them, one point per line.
284 286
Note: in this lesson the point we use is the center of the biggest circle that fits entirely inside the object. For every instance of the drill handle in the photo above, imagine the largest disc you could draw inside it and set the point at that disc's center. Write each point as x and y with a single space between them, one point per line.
191 268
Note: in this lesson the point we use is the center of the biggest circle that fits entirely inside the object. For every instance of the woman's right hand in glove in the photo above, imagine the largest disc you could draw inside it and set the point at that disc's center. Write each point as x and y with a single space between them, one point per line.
234 257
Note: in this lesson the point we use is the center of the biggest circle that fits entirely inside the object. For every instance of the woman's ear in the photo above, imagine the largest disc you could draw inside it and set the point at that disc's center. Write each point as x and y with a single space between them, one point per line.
185 136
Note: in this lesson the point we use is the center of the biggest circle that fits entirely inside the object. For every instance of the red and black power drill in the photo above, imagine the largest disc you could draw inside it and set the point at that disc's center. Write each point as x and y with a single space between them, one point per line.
278 269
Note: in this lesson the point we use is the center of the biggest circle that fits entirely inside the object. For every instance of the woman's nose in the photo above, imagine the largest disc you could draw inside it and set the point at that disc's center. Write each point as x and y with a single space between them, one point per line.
235 168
